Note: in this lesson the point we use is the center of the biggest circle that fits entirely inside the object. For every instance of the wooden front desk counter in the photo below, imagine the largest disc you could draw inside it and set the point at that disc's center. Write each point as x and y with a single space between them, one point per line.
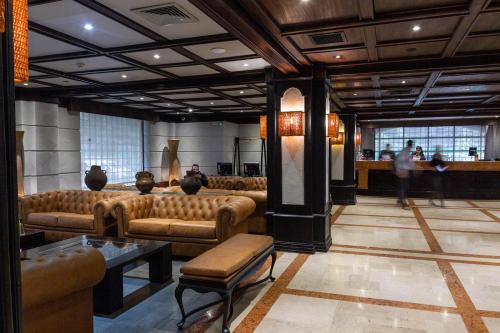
472 180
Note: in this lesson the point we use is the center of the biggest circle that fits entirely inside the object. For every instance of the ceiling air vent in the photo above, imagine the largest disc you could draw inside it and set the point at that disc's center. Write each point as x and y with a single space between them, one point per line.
166 14
329 38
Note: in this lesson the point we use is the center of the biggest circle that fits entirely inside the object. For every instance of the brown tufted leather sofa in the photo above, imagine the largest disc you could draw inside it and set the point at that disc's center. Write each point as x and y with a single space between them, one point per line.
193 223
65 214
57 291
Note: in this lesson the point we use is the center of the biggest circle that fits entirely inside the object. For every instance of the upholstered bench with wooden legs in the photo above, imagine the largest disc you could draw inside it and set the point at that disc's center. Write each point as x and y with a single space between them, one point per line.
223 269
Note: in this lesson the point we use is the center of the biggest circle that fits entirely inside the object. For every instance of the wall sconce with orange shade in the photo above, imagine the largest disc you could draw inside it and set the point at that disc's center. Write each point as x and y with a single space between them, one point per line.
20 37
338 140
263 127
291 123
333 124
358 138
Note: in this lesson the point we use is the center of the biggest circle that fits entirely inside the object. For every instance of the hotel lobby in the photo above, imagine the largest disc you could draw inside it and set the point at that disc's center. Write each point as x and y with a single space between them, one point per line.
250 166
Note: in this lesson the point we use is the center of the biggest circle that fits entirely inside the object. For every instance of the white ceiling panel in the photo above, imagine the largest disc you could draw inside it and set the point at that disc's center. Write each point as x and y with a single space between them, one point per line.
69 17
244 65
107 100
230 87
204 26
63 81
212 103
173 91
40 45
35 73
140 99
245 92
233 49
166 56
117 76
168 105
83 64
140 106
188 96
256 100
31 85
191 70
121 94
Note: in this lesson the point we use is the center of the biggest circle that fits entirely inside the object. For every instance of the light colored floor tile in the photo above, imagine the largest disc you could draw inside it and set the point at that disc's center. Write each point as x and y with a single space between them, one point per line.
460 214
447 203
405 222
392 238
488 203
407 280
493 324
377 210
376 200
468 243
482 284
463 225
304 314
495 212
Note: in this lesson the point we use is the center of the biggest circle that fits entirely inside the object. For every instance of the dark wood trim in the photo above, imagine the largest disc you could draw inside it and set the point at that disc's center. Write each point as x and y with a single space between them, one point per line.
427 87
446 107
10 275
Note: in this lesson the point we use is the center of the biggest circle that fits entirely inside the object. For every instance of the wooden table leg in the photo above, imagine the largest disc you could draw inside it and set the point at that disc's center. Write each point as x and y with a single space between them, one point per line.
160 266
108 294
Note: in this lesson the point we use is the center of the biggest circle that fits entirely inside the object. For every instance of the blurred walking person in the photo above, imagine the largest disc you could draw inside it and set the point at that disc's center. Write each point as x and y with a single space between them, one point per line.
403 165
440 168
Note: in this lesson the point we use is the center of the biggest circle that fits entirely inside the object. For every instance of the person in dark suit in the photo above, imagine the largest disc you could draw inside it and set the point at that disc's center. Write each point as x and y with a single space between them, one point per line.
195 169
387 154
440 168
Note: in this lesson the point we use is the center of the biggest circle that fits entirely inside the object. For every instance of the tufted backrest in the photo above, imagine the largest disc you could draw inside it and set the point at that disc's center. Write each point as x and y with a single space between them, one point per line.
260 183
188 207
221 182
81 202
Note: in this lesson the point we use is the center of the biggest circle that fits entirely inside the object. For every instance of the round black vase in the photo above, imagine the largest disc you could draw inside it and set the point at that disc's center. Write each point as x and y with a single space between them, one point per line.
191 185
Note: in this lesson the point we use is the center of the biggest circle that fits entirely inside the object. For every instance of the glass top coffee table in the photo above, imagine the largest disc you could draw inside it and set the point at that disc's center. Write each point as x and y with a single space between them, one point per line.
118 253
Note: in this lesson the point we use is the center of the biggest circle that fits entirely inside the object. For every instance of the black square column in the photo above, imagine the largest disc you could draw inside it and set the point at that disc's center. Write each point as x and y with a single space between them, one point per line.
299 221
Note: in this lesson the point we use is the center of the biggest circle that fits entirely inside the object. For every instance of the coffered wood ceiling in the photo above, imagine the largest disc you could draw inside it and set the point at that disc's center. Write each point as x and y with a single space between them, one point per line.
385 58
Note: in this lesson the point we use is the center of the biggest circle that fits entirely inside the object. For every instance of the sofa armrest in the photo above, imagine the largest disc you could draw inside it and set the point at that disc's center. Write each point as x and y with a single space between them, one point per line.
130 208
231 214
104 214
53 277
39 203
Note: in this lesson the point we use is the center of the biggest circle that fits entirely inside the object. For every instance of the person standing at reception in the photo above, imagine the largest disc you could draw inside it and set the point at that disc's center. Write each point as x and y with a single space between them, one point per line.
437 182
387 154
403 165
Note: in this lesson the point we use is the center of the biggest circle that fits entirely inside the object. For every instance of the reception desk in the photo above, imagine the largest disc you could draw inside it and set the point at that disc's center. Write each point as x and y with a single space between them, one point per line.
472 180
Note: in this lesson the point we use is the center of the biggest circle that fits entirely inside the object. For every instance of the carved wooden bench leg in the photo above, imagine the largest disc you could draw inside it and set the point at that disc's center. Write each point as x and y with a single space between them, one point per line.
178 296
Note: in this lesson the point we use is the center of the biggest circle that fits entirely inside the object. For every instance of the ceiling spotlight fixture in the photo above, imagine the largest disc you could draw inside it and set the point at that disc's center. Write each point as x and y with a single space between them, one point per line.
242 91
88 27
467 88
403 82
211 103
141 98
156 56
241 110
26 84
338 56
399 99
416 28
245 65
168 104
177 112
190 110
218 50
355 94
124 76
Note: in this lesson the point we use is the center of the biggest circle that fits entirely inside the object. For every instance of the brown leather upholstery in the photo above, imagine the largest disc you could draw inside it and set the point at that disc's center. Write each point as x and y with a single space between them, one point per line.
63 214
196 220
57 291
228 257
221 182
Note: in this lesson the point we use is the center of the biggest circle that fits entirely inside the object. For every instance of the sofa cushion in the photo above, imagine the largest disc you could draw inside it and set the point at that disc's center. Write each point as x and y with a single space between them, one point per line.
192 229
46 219
75 221
228 257
173 227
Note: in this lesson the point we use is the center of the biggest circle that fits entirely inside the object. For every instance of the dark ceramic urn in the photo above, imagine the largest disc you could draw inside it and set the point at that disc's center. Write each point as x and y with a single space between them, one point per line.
95 178
191 184
145 181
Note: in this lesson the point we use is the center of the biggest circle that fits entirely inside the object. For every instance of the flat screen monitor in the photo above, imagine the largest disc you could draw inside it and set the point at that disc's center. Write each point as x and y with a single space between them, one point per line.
369 155
224 169
251 169
472 151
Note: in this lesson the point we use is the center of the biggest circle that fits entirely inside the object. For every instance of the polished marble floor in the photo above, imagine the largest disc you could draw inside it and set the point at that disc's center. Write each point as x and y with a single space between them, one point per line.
423 270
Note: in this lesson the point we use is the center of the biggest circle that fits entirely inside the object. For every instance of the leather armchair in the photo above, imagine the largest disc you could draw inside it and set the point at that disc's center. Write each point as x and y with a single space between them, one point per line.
57 291
65 214
193 223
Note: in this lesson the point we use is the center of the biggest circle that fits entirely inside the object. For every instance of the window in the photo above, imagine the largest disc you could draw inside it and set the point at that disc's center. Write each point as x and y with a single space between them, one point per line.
454 140
114 143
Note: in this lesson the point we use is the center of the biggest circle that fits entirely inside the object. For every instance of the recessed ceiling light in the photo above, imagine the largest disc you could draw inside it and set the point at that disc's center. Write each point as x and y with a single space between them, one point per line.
88 27
190 110
26 84
141 98
242 91
355 94
241 110
218 50
399 99
177 112
211 103
416 28
403 82
305 0
338 56
168 104
124 76
245 65
156 56
467 88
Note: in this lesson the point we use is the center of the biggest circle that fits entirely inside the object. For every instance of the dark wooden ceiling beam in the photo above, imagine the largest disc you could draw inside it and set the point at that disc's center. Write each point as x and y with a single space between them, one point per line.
431 107
490 99
231 16
395 17
64 75
366 12
427 87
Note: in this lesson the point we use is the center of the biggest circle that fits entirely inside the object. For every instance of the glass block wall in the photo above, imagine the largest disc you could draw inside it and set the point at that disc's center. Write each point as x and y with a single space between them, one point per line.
114 143
454 140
